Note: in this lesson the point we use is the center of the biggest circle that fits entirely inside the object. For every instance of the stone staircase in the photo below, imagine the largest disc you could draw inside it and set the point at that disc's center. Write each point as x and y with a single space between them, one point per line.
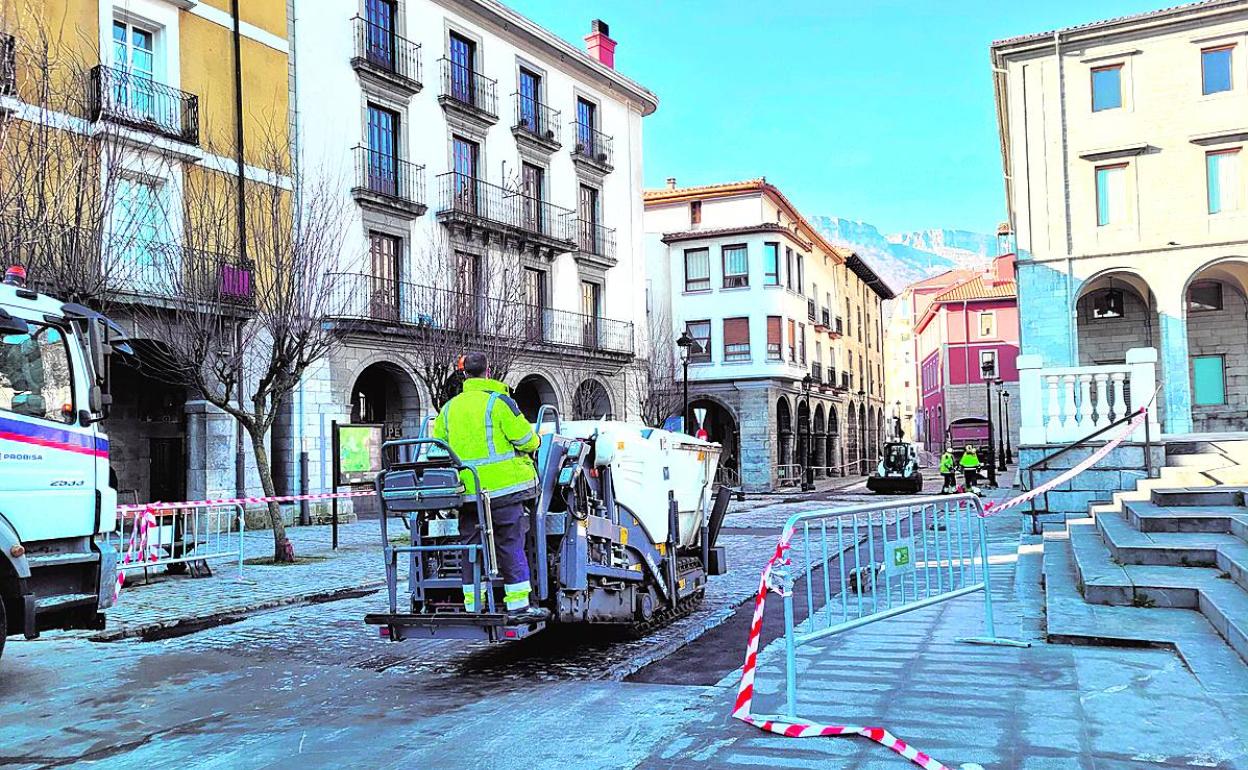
1135 570
1200 462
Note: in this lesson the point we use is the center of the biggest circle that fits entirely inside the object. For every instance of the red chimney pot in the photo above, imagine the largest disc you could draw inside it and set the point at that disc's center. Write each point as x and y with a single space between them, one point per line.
599 43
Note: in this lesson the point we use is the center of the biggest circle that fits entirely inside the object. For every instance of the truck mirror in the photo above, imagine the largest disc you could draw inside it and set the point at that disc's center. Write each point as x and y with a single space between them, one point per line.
95 343
11 325
95 399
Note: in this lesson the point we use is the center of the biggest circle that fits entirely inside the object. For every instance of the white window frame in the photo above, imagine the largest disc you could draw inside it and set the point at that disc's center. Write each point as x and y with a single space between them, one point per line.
979 324
158 17
996 363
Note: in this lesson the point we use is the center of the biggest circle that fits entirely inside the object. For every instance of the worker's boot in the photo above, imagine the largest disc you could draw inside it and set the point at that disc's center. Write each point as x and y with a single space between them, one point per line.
528 614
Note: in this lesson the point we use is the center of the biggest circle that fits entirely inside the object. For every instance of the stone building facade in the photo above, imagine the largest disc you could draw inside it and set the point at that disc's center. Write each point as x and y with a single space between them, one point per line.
788 370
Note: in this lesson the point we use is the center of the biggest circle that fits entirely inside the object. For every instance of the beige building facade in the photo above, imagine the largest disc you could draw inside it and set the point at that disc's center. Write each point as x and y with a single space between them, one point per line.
1124 145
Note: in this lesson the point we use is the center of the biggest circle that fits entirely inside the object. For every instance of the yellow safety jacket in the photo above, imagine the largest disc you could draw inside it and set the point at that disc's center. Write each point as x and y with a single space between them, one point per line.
946 463
485 428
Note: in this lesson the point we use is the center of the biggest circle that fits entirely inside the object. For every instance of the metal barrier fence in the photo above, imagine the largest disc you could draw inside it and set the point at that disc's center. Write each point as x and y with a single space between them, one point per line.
183 535
873 562
790 474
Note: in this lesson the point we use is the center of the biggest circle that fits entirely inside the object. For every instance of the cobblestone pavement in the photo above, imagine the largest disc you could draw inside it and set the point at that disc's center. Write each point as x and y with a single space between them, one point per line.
161 600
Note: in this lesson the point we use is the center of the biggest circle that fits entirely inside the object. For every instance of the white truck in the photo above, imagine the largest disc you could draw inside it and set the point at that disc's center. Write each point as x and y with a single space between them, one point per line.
57 569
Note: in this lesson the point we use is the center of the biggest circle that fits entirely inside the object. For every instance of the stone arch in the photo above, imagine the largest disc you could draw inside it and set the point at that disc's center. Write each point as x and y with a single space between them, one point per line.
147 426
851 443
1215 306
1112 305
833 442
722 427
534 391
819 435
591 400
863 438
385 393
784 431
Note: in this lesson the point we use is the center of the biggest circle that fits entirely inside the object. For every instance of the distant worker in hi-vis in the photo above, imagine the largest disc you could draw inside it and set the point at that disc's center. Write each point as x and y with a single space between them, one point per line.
948 473
487 431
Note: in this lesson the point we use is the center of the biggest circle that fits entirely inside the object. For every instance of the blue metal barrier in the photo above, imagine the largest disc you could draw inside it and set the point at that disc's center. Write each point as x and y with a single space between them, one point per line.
879 561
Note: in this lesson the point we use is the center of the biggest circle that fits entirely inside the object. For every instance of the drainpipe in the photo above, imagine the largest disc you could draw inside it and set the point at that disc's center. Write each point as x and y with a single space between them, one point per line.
240 462
1070 244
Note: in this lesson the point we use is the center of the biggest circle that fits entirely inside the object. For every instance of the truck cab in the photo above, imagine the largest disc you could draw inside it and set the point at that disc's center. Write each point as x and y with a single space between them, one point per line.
57 570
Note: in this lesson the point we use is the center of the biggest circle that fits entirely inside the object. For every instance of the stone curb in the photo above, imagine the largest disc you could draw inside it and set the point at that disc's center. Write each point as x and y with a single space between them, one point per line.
202 622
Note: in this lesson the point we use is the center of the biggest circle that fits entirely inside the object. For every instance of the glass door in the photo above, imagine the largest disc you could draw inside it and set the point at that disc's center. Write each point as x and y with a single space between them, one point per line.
532 183
591 309
534 304
383 155
379 33
530 96
384 277
463 61
464 156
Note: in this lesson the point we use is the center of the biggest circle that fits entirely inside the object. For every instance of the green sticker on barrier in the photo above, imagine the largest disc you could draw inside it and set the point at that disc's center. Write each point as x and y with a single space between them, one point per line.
899 557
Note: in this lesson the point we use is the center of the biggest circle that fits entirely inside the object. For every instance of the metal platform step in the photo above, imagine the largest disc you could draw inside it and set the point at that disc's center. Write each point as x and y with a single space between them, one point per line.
451 625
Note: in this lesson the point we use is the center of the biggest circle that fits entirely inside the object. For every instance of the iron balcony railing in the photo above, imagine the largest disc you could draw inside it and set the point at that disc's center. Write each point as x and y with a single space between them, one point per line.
816 372
847 381
831 377
182 274
429 310
810 309
137 101
593 145
380 48
383 174
465 86
593 238
8 65
536 119
464 195
840 325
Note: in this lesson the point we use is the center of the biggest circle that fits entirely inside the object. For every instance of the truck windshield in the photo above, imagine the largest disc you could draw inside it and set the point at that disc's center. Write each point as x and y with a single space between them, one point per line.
35 376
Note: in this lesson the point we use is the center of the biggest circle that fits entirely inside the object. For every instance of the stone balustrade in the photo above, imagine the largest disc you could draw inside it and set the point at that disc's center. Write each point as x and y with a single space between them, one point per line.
1061 405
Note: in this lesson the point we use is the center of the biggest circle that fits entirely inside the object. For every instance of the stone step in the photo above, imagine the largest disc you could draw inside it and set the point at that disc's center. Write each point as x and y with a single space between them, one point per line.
1151 517
1071 620
1170 478
1208 590
1226 552
1197 496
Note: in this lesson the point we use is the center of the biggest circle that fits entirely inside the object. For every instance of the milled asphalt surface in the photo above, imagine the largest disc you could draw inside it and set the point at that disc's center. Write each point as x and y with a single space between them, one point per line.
312 685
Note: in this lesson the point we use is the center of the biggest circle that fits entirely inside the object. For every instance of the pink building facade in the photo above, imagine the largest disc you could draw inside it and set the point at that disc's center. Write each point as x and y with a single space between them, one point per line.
967 320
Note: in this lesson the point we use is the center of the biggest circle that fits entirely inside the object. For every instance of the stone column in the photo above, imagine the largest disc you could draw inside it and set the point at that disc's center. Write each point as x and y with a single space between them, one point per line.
1177 393
210 451
759 450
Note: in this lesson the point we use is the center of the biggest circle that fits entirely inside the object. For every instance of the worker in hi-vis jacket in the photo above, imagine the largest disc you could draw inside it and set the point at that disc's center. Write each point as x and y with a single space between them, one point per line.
486 430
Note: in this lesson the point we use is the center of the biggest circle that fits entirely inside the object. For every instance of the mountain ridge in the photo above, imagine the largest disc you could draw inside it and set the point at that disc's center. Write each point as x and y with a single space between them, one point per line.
902 258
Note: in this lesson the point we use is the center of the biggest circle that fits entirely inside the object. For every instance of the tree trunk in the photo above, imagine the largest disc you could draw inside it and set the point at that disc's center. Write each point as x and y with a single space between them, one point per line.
283 550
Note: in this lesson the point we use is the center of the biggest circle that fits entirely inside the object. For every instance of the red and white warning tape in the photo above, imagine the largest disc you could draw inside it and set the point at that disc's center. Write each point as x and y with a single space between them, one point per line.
745 691
138 549
991 508
241 501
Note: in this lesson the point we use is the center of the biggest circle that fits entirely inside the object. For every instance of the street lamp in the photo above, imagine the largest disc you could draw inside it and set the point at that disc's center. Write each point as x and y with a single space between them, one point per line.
897 418
1005 415
1000 433
809 484
987 370
688 346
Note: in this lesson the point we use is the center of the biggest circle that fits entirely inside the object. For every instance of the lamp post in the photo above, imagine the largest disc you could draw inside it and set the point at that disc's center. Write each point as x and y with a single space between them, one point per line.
987 370
687 346
809 484
1005 415
1000 430
897 418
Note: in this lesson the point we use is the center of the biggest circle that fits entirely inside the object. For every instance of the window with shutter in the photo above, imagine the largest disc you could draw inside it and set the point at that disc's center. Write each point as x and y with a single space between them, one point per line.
774 352
792 341
736 339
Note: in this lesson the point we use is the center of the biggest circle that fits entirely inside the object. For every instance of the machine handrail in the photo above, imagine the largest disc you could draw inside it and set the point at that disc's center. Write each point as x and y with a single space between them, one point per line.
541 417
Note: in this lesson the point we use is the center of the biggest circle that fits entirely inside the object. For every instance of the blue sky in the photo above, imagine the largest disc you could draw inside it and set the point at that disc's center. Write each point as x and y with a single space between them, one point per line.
879 110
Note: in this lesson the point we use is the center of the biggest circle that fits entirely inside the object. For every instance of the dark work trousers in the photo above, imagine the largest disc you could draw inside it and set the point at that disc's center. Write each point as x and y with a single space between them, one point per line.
511 524
971 475
951 480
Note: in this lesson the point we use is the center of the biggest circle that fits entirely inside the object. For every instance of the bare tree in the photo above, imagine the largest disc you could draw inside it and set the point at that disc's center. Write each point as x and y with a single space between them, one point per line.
655 383
254 327
60 181
468 301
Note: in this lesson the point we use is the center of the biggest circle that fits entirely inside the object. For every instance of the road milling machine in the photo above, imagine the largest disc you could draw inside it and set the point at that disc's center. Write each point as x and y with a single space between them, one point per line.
623 532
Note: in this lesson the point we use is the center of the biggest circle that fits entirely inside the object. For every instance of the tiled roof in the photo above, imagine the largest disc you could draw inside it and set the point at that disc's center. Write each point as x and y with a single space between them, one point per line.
1177 9
712 232
976 288
759 185
945 279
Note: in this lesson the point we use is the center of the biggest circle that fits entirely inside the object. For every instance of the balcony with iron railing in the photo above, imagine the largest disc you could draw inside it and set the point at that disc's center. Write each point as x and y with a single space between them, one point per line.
424 312
536 123
386 57
468 202
136 101
831 380
837 329
593 147
825 320
468 92
595 243
810 310
385 182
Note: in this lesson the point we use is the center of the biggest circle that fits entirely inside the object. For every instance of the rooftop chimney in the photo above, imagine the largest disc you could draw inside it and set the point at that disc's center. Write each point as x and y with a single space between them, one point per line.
599 43
671 183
